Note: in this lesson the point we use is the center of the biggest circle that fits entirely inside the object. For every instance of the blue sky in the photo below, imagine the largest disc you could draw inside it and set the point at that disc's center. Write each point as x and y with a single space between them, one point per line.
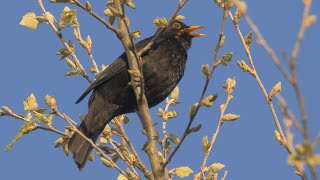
246 147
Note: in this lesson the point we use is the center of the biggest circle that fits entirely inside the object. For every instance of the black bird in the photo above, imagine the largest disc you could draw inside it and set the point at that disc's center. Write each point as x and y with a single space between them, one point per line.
162 66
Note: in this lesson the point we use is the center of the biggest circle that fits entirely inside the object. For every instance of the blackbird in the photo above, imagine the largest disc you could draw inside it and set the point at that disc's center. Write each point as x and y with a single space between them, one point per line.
163 66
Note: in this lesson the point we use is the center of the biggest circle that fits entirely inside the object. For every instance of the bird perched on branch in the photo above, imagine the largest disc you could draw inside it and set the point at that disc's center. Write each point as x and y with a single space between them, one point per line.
163 66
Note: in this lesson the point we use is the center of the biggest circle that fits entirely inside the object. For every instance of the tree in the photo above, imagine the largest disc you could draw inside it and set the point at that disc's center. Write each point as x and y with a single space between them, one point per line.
37 118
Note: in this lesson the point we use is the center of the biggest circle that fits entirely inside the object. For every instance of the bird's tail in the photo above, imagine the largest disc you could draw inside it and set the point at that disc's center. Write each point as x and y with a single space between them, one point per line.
80 147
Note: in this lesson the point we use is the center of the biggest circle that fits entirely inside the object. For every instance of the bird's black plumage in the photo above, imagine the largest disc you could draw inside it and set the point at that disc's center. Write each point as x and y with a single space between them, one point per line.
163 66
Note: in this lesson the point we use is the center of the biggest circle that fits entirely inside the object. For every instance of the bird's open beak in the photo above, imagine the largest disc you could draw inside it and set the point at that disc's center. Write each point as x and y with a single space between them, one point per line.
190 30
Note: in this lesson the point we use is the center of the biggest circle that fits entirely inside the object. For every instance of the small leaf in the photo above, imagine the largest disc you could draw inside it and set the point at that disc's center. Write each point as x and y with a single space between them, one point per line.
171 114
29 20
205 144
31 103
310 20
226 58
112 19
230 117
108 13
195 128
230 85
208 101
175 93
221 42
192 110
183 171
248 39
59 142
173 138
275 90
160 22
114 11
126 120
122 177
179 17
71 64
72 73
215 167
278 136
7 110
243 66
136 34
107 162
88 6
131 4
205 70
68 16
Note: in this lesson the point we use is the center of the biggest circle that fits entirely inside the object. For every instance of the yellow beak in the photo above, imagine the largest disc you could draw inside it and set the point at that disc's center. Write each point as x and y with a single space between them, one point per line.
190 30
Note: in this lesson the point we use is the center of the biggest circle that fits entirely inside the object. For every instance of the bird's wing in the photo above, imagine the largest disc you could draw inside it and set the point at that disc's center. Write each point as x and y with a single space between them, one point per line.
112 70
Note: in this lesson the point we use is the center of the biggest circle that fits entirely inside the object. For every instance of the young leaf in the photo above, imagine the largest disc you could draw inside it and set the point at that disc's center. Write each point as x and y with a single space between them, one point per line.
29 20
31 103
215 167
275 90
248 39
230 117
183 171
175 93
68 16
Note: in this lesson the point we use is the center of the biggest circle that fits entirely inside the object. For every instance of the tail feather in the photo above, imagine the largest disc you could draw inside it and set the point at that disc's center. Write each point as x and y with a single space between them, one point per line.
81 149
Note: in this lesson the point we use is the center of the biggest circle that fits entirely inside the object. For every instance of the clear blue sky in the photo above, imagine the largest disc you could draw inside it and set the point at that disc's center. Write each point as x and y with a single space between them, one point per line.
247 147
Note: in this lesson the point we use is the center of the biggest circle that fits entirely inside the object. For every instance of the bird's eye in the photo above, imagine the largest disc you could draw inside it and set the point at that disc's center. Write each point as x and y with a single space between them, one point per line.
176 25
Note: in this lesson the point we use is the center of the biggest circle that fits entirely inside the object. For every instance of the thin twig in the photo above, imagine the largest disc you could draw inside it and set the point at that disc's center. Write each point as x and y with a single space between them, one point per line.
124 159
65 44
147 173
213 67
265 94
99 18
37 126
88 49
76 130
214 136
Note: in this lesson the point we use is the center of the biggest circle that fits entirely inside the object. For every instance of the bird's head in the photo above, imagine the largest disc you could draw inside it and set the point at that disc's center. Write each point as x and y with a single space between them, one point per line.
182 33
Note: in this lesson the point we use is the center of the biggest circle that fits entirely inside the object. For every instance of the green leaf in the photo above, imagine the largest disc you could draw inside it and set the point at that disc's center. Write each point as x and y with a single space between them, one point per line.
25 129
195 128
71 64
192 110
136 34
208 101
205 144
29 20
107 12
275 90
160 22
173 138
179 17
230 117
248 39
175 93
31 103
107 162
122 177
72 73
59 142
68 16
131 4
226 58
205 70
216 167
182 172
243 66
